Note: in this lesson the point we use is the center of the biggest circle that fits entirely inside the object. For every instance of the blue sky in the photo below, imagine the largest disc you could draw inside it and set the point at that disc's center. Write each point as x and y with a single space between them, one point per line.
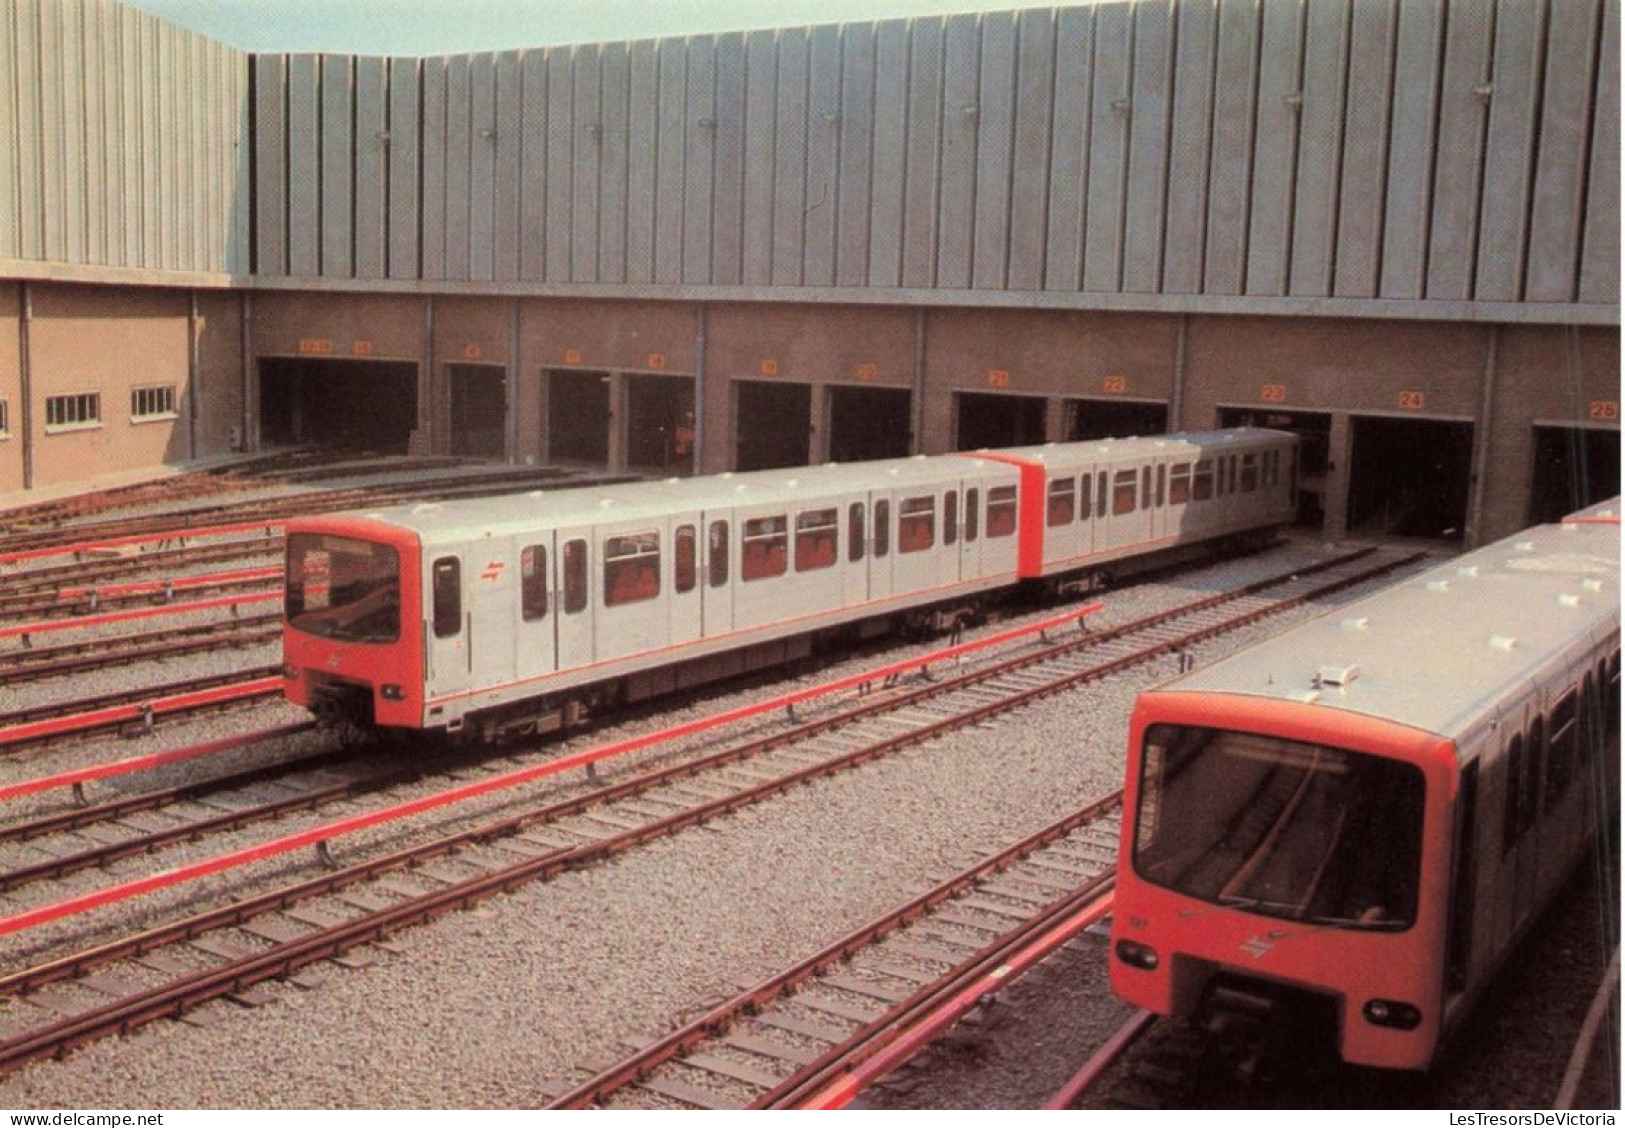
428 27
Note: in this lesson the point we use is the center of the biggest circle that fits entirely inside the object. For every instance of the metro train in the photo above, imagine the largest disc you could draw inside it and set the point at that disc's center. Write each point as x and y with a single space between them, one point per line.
1337 836
525 613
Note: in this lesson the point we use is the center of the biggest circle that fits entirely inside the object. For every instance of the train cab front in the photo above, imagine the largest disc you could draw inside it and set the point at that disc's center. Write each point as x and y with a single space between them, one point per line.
1274 890
351 643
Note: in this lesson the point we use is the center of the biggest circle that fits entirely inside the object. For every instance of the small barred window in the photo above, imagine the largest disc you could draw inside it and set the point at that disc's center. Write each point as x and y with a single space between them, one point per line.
152 403
82 410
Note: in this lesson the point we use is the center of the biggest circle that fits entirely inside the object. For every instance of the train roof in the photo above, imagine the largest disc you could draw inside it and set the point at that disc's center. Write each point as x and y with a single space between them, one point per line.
1193 443
442 521
1434 651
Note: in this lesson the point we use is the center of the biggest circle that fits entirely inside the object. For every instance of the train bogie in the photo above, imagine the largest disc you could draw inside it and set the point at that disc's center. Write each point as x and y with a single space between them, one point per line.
1360 817
525 611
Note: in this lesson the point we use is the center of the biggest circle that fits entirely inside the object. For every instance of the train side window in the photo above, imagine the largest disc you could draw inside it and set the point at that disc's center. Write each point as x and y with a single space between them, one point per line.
950 517
1249 473
1083 497
1202 480
1162 485
1514 785
685 559
575 576
973 514
1001 511
854 531
1562 747
1123 493
1100 494
1145 487
882 528
533 582
631 568
717 553
1533 771
916 524
1179 484
764 548
816 536
448 597
1063 502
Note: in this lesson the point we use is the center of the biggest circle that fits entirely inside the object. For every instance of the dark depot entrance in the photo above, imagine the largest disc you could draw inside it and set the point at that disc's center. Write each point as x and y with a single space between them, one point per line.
986 421
1410 477
350 405
869 423
773 423
1574 467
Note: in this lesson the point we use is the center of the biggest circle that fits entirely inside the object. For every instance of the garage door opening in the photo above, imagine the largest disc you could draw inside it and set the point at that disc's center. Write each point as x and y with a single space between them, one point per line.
1089 419
1574 467
348 405
869 423
660 424
479 409
989 421
1409 477
1314 431
772 428
578 417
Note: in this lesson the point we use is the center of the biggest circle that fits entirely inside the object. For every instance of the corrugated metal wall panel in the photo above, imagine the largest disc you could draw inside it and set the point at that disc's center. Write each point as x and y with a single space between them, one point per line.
371 167
1029 187
1408 203
1448 150
1463 112
728 168
643 119
1320 148
1365 149
1565 136
1191 140
511 140
1509 149
613 138
484 141
404 143
670 153
1280 103
1599 268
925 127
1235 96
790 158
854 202
761 116
304 167
823 156
1150 109
1111 107
586 159
337 178
994 152
433 214
700 163
961 110
533 70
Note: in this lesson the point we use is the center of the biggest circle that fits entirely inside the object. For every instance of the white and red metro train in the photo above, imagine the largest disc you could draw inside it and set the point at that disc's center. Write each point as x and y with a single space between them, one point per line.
523 612
1341 832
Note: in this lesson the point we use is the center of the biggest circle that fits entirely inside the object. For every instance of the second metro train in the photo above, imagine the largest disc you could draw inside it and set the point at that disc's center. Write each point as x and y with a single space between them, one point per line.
522 613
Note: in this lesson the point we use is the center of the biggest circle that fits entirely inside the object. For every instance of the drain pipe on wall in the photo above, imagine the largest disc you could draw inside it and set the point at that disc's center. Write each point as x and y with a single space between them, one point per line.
26 380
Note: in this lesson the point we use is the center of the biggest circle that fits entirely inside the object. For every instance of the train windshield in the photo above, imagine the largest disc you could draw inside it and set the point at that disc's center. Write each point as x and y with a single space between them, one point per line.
342 588
1305 832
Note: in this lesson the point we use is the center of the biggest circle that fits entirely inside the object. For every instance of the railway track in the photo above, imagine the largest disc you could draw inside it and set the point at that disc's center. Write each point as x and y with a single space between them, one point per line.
786 1041
274 933
38 663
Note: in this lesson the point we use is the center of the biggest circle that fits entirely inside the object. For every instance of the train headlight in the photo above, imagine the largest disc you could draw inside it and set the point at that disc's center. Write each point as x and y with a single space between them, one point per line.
1142 956
1386 1012
392 692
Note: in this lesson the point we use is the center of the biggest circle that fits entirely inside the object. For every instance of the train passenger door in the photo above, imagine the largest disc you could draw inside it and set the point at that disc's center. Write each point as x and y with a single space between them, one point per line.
855 553
685 604
717 574
573 625
882 534
970 533
536 643
1125 520
450 665
492 584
